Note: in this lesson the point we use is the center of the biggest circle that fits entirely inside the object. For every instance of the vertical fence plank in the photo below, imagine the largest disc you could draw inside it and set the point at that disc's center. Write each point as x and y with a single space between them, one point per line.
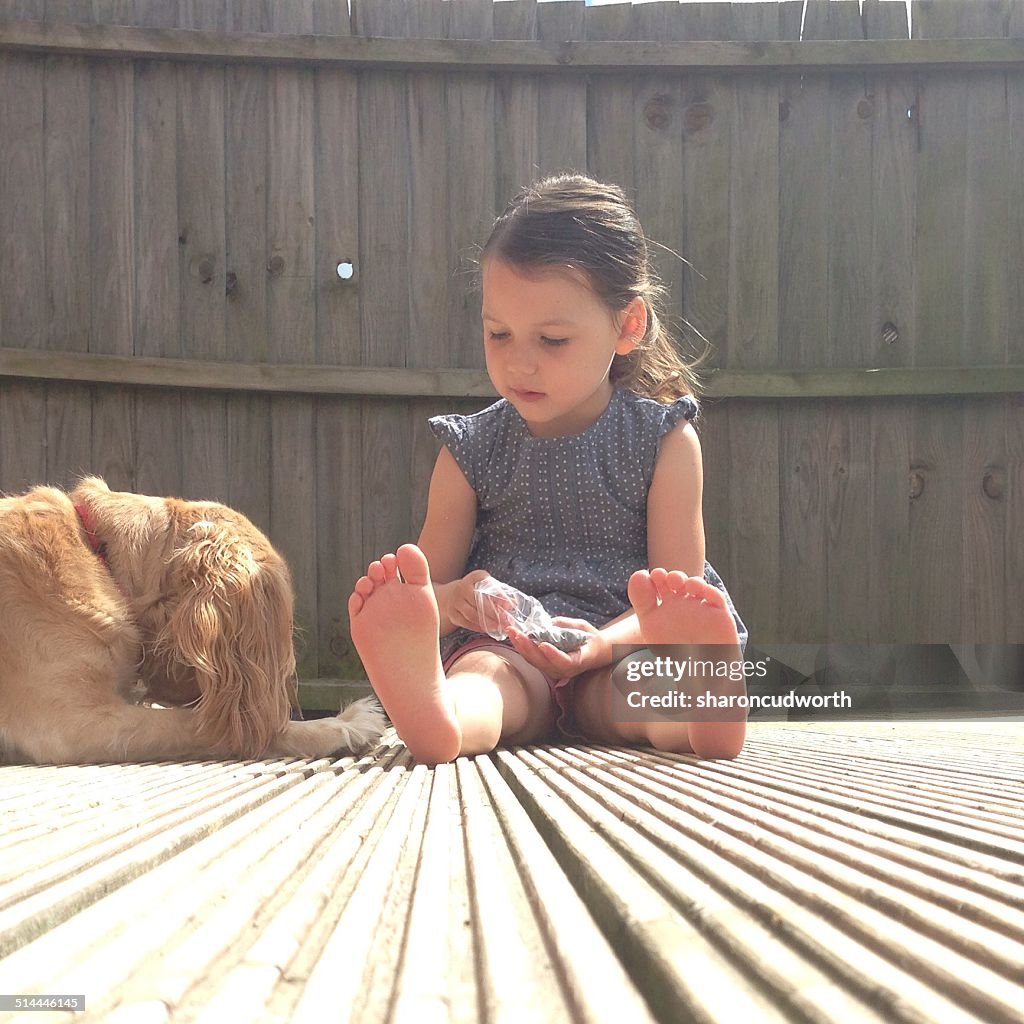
157 328
707 122
893 191
437 280
1013 548
66 89
336 140
516 114
201 249
23 316
561 103
111 261
246 330
384 285
752 333
846 422
610 128
803 316
291 321
340 538
936 539
429 342
331 17
471 178
658 155
986 285
339 443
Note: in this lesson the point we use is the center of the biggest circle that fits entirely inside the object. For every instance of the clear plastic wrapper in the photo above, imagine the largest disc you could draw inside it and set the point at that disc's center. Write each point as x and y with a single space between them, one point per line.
500 606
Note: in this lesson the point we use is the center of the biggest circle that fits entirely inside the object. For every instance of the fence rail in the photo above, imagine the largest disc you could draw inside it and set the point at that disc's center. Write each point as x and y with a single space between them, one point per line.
505 55
304 379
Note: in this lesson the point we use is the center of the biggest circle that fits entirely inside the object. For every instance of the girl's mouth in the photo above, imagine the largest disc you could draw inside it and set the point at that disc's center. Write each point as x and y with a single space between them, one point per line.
525 395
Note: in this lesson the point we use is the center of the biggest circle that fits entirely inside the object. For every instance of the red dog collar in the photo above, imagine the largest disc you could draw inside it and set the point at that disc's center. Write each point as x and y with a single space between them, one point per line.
97 545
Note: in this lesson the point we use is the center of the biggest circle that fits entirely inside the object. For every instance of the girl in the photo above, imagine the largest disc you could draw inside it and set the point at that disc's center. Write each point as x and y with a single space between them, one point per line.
586 471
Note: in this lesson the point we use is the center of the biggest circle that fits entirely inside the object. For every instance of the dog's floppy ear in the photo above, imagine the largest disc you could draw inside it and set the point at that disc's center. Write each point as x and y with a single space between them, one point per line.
233 628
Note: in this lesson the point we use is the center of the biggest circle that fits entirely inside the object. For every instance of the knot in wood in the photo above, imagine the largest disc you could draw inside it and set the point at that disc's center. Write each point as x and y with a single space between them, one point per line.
276 266
890 333
207 269
993 483
658 112
698 116
230 282
565 52
866 108
916 485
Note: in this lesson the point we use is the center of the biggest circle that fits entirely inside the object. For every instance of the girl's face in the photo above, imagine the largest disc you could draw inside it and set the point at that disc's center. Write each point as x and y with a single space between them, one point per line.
549 343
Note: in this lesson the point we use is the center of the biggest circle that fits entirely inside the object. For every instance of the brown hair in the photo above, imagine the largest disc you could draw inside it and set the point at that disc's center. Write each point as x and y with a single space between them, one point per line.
572 220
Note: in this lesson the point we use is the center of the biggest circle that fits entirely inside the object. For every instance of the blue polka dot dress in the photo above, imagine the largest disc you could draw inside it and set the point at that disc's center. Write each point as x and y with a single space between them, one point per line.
564 518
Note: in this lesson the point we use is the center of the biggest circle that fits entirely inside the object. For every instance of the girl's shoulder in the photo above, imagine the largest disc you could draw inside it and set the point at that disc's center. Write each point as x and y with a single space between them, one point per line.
649 415
462 427
474 438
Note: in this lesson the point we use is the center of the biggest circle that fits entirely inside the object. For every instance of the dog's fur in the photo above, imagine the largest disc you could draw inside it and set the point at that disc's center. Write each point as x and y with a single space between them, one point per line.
185 601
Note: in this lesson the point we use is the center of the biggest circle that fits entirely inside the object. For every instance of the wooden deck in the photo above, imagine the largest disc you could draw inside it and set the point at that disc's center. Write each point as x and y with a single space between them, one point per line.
831 873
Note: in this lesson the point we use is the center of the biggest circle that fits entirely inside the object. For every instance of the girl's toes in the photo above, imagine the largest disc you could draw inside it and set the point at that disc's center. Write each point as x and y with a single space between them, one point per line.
676 582
412 564
376 572
643 595
390 565
697 588
364 586
355 604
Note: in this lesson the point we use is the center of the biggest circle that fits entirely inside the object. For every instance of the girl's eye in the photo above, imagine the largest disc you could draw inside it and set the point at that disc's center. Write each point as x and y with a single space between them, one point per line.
497 335
554 342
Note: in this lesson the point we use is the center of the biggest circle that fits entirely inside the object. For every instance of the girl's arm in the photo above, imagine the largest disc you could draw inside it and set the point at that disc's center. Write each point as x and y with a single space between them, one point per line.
675 540
448 533
675 523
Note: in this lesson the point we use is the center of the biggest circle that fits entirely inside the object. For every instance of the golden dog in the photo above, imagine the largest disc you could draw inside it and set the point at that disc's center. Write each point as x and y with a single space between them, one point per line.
109 598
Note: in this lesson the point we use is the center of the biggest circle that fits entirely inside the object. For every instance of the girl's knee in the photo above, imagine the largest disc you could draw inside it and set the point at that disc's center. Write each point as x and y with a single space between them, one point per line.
498 700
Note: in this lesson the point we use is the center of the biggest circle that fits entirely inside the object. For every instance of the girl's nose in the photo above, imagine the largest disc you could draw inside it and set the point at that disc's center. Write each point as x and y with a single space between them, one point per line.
520 359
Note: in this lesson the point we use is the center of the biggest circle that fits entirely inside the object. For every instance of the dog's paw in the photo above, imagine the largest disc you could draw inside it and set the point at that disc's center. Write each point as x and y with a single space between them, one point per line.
355 731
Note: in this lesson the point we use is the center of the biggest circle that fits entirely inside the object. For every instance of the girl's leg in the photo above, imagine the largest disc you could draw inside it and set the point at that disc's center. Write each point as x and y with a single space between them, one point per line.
489 697
497 696
395 624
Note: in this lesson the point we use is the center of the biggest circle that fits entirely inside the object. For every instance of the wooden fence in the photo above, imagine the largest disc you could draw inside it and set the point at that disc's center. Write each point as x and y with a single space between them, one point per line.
179 183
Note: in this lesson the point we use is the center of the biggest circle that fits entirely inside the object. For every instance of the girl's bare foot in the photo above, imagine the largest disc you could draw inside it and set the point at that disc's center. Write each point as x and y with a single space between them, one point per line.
687 618
394 622
677 609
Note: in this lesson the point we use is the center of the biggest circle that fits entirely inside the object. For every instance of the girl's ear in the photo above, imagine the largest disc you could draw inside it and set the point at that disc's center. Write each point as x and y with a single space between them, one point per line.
633 328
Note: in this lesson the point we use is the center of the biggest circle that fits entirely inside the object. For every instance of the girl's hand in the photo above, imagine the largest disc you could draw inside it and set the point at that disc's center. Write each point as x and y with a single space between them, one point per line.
595 653
457 602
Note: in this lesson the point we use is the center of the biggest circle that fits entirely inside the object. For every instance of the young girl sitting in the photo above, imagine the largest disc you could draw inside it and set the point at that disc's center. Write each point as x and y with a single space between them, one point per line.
584 474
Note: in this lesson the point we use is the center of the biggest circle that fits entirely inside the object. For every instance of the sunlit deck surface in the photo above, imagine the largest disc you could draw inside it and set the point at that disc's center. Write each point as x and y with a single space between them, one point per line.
832 872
